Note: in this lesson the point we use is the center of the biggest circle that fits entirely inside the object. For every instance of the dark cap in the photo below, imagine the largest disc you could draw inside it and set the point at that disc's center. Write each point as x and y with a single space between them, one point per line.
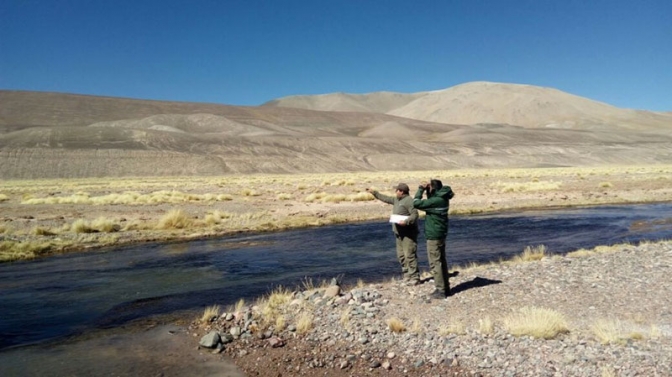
402 187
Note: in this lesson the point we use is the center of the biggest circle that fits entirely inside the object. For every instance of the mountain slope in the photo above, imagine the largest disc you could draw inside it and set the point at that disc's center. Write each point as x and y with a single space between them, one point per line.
50 135
378 102
486 102
526 106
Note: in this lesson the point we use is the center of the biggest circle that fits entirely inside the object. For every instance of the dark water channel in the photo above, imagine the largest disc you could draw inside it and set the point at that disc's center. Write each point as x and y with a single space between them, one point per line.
69 294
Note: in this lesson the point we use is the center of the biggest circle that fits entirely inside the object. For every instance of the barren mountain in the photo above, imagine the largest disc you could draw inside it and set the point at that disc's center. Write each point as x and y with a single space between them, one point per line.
378 102
486 102
51 135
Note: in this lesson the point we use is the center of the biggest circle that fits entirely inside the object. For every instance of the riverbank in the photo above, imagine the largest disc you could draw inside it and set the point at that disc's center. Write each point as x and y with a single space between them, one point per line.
600 312
42 217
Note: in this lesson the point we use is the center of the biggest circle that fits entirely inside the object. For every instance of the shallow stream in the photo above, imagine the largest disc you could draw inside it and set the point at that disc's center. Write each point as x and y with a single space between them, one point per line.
72 294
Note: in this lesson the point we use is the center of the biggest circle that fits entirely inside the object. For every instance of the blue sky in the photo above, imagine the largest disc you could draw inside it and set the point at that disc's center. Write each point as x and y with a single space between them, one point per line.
248 52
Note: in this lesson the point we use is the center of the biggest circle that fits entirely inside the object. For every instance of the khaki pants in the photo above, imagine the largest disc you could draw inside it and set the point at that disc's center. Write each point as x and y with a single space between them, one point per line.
407 249
436 253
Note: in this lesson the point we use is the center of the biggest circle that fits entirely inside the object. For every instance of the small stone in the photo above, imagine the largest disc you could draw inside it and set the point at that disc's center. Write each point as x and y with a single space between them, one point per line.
344 364
387 365
235 331
276 342
391 355
375 364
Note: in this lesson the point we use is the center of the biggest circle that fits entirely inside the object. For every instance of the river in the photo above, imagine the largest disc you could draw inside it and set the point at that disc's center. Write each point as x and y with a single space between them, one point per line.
60 296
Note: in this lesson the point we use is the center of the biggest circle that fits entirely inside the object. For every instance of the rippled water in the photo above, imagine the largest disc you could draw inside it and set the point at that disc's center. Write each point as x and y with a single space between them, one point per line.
68 294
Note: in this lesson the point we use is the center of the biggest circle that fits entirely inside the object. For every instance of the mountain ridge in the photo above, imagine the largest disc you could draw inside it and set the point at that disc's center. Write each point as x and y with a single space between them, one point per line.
52 135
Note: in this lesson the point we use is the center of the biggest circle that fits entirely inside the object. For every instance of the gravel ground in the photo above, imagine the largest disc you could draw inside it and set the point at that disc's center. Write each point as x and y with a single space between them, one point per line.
626 286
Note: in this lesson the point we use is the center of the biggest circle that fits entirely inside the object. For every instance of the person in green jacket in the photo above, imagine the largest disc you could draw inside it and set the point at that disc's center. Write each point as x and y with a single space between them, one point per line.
405 231
436 229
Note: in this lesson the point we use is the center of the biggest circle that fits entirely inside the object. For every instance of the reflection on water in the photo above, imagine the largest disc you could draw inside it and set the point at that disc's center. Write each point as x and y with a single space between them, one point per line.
68 294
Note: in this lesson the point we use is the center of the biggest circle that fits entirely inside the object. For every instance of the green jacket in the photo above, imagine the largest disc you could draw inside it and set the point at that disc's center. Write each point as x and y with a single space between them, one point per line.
436 207
403 206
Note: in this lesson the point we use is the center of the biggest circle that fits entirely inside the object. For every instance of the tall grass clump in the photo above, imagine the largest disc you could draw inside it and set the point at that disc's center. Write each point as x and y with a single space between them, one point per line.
531 254
81 226
209 313
174 219
536 322
12 250
304 323
105 225
274 304
40 231
611 331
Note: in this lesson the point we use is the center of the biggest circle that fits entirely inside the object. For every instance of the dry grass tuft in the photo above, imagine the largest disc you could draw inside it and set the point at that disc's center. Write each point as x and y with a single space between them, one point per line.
457 328
607 372
81 226
105 225
531 254
416 327
536 322
486 326
210 313
609 331
284 196
40 231
396 325
606 184
240 304
304 323
280 323
12 250
175 219
274 304
3 198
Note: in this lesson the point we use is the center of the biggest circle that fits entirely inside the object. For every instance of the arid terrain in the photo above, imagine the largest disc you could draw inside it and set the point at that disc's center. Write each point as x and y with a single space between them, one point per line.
474 125
80 172
40 217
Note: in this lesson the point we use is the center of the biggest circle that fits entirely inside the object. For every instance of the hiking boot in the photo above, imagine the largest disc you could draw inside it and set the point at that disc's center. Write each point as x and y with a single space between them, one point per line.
438 295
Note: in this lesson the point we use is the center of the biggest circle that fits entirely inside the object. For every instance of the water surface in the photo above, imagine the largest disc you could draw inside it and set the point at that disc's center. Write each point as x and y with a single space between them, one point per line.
68 294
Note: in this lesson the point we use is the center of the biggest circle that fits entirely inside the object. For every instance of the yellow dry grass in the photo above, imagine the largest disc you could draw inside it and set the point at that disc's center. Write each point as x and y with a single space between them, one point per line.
457 328
486 326
174 219
537 322
272 306
395 325
209 313
267 208
304 323
531 254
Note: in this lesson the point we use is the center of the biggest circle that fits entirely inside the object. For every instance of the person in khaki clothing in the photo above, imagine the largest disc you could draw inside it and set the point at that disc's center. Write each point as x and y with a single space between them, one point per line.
405 231
436 229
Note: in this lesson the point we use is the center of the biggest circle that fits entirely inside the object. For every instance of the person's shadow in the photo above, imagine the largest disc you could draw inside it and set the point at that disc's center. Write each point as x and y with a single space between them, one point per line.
476 282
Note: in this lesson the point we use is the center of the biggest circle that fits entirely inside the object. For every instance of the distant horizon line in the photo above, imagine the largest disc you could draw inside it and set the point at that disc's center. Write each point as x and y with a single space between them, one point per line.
316 95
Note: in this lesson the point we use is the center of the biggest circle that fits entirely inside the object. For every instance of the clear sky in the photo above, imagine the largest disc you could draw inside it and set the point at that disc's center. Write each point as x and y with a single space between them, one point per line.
248 52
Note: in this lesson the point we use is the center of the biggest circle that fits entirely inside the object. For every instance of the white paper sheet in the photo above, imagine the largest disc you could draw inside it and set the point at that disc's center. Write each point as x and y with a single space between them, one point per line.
397 218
